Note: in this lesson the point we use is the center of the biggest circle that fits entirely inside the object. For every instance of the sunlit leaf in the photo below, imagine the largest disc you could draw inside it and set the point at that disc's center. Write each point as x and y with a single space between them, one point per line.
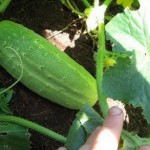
129 79
125 3
89 119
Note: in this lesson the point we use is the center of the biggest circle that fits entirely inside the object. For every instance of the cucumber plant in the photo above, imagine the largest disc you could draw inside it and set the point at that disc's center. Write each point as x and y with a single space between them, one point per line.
122 73
3 5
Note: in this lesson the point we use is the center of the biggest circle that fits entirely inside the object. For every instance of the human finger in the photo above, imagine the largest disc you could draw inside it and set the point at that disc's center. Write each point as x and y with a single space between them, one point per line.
106 137
145 147
61 148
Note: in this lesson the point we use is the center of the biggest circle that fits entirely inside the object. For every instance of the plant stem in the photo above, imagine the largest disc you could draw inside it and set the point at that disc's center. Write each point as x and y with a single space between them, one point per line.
34 126
74 10
73 4
99 68
107 2
100 61
3 5
86 3
96 3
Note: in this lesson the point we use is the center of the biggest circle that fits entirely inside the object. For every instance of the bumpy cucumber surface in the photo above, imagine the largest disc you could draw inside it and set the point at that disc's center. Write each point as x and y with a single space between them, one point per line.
46 70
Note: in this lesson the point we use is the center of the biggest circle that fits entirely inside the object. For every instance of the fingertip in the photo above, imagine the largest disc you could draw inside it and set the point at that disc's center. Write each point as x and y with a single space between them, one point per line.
115 111
108 133
61 148
85 147
146 147
114 119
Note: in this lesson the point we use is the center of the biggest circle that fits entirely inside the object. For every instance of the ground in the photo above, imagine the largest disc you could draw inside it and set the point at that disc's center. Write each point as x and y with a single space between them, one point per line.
56 23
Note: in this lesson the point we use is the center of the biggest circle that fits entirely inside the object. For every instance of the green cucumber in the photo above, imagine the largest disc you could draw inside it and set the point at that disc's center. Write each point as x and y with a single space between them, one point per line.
47 71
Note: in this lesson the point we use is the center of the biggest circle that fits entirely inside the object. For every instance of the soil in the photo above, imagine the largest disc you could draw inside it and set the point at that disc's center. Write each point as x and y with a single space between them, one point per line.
56 23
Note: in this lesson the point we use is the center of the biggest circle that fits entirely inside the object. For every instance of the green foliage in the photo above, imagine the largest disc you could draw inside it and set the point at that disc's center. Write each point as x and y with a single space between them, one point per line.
4 100
124 76
129 79
3 5
132 141
12 136
127 76
125 3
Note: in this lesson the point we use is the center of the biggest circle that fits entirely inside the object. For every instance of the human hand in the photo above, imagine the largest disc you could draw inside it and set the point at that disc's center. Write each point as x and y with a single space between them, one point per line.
107 137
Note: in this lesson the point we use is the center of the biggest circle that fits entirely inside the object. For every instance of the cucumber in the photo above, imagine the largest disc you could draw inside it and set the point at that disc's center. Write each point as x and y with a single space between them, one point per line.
47 71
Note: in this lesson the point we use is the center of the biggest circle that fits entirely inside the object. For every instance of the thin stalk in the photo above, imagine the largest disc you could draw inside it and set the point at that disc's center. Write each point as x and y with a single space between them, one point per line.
107 2
3 5
96 3
125 134
100 63
74 10
99 69
34 126
86 3
73 4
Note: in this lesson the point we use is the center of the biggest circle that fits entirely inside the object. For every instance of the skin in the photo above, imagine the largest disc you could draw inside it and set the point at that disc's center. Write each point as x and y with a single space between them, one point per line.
107 137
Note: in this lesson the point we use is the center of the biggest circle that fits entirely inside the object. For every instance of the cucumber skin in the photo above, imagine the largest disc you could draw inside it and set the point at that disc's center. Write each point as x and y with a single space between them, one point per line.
46 70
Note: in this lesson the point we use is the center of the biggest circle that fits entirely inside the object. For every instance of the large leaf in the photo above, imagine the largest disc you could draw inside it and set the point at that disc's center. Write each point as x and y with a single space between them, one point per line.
129 79
14 137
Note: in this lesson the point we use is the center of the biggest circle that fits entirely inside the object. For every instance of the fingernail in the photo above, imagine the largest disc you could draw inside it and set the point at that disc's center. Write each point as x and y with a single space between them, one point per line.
115 111
85 147
145 147
61 148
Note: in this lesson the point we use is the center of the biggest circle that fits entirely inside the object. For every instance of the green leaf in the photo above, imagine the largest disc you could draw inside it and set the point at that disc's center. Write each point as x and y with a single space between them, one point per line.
63 1
87 119
125 3
129 79
13 137
76 136
133 141
4 100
